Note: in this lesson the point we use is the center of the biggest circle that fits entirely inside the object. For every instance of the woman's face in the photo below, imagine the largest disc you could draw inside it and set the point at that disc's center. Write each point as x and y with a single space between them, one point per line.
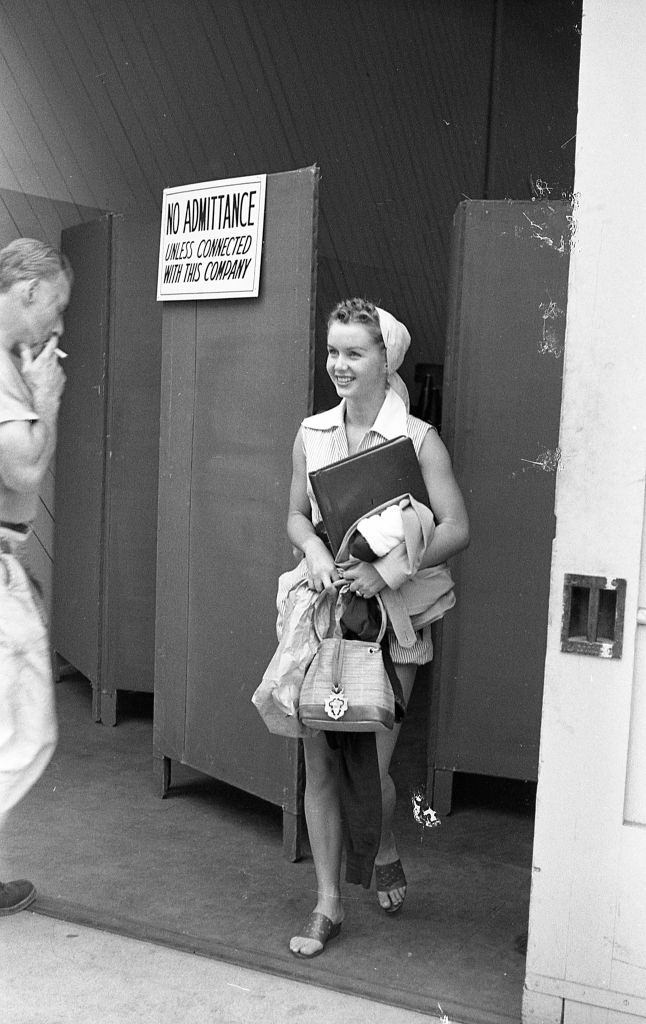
356 363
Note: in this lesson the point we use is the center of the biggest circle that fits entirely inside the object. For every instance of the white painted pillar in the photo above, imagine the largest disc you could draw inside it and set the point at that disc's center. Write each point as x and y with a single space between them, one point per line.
587 940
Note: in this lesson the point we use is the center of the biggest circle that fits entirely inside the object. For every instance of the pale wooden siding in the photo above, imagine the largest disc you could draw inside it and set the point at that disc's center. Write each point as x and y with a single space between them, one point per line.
39 216
106 102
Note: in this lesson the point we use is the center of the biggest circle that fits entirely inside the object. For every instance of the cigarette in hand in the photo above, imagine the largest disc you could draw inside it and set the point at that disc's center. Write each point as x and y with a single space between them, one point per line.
59 352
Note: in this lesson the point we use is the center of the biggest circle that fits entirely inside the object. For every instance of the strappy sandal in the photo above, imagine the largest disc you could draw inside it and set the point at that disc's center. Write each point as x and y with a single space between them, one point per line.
321 929
388 877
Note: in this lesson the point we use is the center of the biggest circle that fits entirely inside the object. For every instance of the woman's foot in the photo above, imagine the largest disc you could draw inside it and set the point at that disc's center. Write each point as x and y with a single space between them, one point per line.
323 924
391 885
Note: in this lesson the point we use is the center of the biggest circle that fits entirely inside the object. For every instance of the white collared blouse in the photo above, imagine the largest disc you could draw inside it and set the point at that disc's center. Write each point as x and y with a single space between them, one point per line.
325 441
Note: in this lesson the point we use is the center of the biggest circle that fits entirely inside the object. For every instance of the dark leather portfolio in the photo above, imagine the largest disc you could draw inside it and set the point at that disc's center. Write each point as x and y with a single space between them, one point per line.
351 488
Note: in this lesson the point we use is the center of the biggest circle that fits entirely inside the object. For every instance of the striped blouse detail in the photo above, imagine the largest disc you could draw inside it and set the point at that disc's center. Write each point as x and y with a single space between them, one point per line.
324 445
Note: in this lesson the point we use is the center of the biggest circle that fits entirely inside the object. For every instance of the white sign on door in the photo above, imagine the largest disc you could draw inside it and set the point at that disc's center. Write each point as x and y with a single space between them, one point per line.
211 239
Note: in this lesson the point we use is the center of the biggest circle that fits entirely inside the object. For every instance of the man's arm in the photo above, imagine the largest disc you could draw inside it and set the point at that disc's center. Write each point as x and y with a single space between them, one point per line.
27 446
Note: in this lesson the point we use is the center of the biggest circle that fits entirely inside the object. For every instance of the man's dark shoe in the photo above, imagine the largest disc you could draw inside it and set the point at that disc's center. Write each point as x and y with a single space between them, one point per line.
15 896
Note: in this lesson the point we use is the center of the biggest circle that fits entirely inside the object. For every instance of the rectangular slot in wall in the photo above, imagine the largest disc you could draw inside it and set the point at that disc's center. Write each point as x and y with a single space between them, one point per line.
607 617
593 615
579 606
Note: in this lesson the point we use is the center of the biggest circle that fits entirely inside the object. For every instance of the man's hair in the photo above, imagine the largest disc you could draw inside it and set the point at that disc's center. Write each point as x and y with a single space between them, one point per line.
26 258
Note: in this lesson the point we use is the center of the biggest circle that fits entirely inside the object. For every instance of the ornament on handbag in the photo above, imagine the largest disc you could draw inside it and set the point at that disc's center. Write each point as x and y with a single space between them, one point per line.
336 704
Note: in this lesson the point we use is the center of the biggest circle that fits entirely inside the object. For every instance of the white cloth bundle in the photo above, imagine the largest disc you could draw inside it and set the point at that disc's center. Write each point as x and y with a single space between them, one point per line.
383 531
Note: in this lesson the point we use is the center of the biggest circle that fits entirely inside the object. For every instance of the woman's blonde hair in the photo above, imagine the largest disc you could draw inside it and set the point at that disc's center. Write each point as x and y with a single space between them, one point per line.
357 311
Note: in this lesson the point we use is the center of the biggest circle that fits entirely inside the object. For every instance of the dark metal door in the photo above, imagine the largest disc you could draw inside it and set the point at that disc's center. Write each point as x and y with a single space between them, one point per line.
80 454
236 382
502 399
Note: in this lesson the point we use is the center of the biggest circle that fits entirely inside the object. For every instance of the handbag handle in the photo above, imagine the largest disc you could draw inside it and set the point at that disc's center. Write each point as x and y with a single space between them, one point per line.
320 601
341 585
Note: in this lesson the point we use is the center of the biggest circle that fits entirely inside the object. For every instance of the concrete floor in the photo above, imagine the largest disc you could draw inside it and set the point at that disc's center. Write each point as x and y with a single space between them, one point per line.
57 973
132 887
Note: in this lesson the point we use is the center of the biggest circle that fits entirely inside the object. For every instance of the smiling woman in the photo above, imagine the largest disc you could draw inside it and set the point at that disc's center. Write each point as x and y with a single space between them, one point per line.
355 362
365 347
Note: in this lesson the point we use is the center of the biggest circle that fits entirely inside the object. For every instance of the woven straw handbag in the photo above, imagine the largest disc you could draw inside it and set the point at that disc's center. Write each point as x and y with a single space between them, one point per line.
346 687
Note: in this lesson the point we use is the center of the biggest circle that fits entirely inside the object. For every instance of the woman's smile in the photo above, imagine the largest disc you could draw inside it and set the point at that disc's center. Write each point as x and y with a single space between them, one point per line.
355 361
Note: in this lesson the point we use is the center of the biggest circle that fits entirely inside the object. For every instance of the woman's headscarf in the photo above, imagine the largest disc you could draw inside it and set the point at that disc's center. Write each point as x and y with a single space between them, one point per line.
396 339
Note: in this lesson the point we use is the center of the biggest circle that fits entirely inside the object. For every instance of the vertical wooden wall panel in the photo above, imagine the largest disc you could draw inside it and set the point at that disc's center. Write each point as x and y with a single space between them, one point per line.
225 470
80 455
252 390
534 116
132 441
501 424
174 501
106 461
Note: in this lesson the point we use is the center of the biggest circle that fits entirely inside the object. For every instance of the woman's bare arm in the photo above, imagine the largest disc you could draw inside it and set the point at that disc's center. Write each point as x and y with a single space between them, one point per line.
452 522
320 564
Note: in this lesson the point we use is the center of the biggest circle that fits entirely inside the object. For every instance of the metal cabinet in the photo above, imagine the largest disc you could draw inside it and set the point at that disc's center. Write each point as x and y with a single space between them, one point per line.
502 393
236 382
103 613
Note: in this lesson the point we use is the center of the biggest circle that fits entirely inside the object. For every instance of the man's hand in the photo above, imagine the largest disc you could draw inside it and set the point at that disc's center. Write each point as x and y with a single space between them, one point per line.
43 375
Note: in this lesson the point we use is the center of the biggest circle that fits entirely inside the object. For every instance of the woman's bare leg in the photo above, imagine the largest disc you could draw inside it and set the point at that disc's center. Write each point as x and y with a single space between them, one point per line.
323 816
386 742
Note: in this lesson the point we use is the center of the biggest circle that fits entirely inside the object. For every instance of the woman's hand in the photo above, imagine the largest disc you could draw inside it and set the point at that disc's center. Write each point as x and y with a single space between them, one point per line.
321 570
364 579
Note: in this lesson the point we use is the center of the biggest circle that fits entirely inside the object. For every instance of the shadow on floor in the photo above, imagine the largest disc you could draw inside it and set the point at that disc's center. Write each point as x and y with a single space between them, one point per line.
203 871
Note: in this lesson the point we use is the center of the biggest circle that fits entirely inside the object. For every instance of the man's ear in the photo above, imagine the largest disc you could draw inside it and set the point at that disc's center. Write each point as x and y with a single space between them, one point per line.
28 291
